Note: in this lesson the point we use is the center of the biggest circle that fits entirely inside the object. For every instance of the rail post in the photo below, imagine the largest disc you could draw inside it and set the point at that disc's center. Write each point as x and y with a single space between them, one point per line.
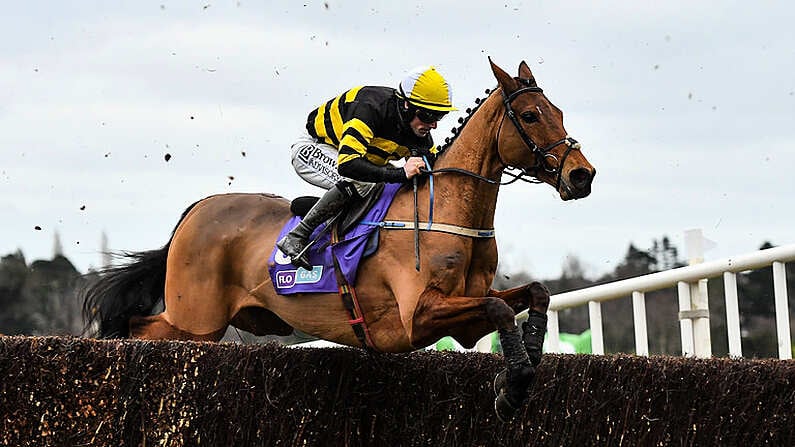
694 303
782 311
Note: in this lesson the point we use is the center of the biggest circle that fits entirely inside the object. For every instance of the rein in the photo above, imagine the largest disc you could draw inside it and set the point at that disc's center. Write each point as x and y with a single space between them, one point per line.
480 177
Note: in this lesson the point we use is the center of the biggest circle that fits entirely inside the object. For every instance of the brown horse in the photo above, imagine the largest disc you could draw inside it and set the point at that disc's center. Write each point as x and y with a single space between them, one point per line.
212 274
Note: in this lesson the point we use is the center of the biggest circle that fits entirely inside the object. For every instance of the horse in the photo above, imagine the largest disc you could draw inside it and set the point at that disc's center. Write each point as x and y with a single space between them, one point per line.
211 273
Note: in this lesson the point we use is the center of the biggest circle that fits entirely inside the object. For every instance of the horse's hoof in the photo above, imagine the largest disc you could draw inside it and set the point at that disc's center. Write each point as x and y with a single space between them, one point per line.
500 382
504 409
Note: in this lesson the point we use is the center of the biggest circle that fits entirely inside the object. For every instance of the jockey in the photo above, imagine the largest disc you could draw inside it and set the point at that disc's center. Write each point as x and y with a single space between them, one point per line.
351 139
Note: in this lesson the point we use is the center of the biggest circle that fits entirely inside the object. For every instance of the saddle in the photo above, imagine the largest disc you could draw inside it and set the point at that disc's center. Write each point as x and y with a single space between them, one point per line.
356 237
351 214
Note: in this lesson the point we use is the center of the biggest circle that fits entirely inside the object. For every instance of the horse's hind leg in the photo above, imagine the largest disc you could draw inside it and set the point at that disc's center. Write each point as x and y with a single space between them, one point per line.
197 302
156 327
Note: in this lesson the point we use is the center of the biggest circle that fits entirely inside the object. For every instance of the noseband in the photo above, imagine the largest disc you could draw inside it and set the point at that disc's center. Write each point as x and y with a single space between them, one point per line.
541 154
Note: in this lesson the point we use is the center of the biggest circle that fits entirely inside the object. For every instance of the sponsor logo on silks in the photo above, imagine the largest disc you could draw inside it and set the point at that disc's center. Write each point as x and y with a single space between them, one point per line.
289 278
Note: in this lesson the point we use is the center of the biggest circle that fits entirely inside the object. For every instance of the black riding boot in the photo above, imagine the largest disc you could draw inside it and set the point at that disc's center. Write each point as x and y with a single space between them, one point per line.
293 243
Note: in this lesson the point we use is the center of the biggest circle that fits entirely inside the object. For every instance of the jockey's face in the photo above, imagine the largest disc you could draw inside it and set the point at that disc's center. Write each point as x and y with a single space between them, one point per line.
421 128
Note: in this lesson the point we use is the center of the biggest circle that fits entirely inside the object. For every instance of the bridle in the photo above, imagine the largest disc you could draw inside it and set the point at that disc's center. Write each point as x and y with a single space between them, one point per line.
541 154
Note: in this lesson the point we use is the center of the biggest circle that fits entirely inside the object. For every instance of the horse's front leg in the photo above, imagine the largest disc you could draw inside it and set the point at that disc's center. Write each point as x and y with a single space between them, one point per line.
534 296
439 314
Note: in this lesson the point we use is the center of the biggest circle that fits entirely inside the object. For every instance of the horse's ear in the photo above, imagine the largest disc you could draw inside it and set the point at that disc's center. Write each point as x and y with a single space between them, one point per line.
524 71
507 83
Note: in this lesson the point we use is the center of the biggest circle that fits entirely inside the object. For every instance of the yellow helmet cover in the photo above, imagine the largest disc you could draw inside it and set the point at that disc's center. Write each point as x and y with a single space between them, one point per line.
424 87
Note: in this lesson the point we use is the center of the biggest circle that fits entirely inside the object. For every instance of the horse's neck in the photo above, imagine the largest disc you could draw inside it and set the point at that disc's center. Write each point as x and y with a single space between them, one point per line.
475 149
471 201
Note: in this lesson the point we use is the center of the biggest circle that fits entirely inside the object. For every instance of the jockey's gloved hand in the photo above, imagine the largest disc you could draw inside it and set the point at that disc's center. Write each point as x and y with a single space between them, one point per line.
414 166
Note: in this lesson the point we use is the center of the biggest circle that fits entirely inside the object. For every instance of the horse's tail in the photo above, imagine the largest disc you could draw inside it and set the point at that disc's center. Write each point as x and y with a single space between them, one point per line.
115 294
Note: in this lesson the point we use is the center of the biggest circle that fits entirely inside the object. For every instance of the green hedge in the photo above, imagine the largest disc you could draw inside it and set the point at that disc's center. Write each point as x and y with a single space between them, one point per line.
73 391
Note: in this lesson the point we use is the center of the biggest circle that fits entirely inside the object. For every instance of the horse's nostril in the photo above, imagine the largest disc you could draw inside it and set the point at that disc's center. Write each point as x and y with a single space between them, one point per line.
580 178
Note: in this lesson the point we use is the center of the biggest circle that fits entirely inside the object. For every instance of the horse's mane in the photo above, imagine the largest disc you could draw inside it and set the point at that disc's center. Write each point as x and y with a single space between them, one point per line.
471 111
462 121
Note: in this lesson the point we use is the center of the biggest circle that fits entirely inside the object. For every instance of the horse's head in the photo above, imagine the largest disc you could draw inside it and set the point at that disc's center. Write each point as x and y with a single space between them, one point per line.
533 139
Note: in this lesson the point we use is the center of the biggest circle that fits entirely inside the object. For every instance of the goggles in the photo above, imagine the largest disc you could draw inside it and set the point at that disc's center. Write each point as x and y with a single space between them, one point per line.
429 116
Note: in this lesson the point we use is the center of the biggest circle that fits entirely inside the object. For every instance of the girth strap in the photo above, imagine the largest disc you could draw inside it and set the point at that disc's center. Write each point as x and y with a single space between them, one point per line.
433 226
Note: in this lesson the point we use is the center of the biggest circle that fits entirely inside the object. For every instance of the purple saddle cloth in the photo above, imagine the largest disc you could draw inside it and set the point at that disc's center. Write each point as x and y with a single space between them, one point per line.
288 279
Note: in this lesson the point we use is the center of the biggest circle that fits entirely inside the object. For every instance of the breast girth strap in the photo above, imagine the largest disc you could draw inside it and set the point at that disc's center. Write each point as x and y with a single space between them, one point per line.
350 301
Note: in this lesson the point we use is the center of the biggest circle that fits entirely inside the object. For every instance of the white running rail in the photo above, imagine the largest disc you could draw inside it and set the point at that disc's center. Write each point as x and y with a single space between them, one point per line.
691 282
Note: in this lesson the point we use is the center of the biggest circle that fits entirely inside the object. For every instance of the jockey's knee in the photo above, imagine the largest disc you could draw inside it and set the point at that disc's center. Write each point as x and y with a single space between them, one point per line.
354 189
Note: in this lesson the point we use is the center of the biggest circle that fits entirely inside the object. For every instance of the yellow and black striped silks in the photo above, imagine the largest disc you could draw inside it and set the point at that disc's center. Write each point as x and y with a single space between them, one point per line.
364 122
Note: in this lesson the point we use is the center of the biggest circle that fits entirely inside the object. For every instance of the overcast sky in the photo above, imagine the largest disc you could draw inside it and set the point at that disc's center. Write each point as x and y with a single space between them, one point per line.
685 108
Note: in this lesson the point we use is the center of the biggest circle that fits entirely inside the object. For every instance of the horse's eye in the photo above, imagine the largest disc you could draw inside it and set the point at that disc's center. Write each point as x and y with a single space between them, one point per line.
529 117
